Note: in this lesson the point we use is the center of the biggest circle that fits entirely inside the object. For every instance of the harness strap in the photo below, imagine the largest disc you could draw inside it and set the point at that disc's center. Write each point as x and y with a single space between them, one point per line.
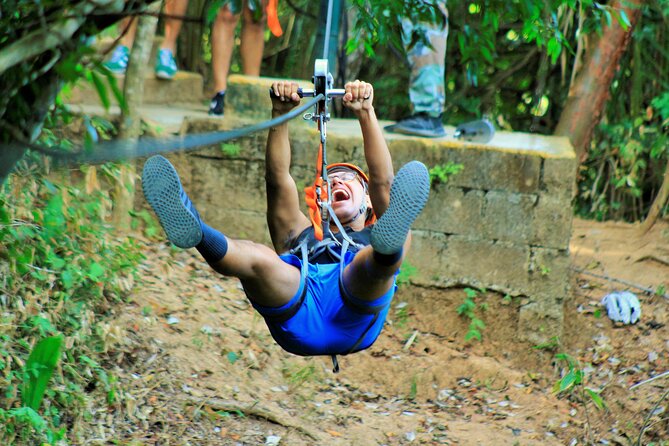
293 309
342 231
348 301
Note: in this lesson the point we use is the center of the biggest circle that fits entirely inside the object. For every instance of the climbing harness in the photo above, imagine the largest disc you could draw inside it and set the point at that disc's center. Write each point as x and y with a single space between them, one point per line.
319 201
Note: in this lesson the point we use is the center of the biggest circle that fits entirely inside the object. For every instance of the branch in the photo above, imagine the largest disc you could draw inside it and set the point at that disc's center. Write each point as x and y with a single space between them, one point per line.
253 410
43 40
649 416
646 381
621 281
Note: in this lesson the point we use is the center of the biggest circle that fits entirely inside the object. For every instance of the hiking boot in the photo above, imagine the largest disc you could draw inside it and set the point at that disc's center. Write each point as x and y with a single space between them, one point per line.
408 195
420 124
176 213
118 61
166 65
217 104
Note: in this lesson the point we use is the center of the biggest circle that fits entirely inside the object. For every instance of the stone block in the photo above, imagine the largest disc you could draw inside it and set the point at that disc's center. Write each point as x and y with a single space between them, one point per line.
248 97
232 185
558 177
508 216
551 222
452 210
186 87
244 225
501 266
449 260
539 321
428 249
549 271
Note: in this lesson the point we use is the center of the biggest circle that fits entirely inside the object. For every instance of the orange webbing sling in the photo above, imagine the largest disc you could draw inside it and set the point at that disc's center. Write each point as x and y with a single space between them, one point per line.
273 18
316 194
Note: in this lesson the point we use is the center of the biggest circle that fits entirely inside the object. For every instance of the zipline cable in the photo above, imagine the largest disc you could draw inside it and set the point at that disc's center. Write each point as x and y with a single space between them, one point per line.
137 148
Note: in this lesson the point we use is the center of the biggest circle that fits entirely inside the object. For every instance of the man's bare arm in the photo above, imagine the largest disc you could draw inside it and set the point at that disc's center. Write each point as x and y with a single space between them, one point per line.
359 98
284 217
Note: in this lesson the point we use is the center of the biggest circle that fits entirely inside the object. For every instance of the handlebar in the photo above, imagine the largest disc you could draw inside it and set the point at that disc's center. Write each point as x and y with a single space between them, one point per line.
310 93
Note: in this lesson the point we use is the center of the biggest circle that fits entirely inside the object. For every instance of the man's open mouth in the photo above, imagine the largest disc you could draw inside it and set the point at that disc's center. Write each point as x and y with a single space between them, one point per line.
340 195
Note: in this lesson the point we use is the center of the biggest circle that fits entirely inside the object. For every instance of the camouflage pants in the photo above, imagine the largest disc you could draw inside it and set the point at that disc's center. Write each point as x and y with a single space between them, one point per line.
428 65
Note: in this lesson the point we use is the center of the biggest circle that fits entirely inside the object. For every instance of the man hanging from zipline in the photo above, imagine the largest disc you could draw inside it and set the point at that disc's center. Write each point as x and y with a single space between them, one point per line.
334 299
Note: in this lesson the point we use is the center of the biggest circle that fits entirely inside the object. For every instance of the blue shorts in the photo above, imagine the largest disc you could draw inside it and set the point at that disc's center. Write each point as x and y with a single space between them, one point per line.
325 323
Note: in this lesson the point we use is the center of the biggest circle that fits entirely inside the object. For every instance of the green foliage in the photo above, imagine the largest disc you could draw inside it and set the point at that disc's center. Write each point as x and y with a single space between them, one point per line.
573 379
441 173
60 269
401 314
629 153
406 273
628 160
38 370
230 149
297 375
468 309
378 23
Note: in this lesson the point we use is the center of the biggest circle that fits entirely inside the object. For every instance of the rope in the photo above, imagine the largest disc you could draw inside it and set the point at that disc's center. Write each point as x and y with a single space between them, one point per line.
328 30
138 148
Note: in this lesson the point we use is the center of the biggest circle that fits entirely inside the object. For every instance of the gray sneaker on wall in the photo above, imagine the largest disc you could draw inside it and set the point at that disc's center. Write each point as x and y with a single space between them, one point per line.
419 124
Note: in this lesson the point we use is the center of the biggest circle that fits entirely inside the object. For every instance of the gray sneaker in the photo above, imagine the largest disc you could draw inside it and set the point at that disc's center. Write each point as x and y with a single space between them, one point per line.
408 195
177 215
419 124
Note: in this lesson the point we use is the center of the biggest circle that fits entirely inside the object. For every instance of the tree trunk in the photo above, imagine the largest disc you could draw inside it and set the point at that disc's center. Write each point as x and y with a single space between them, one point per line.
131 121
659 203
190 54
590 90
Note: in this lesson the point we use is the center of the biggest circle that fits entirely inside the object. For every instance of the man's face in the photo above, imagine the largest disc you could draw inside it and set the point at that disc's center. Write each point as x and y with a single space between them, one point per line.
347 194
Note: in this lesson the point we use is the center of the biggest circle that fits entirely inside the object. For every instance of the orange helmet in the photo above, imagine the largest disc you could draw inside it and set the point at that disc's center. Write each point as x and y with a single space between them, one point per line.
352 167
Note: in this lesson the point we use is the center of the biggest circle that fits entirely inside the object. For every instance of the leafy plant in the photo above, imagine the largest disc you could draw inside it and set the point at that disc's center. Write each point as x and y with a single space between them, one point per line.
231 150
60 268
38 370
406 273
572 383
441 173
468 310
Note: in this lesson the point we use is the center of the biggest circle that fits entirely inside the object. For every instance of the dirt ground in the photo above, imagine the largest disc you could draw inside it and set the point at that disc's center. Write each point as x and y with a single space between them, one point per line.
198 366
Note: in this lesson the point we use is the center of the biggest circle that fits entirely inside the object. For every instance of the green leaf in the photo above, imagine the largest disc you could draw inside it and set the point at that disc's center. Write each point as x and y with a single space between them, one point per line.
38 370
67 279
101 89
471 334
568 381
477 324
596 399
95 272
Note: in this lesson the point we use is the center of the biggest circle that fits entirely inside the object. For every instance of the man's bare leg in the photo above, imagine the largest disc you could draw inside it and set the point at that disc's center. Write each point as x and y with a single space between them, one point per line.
267 280
371 273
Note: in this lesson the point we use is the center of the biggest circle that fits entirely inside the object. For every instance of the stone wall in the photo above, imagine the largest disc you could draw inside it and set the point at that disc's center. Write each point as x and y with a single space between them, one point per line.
503 223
